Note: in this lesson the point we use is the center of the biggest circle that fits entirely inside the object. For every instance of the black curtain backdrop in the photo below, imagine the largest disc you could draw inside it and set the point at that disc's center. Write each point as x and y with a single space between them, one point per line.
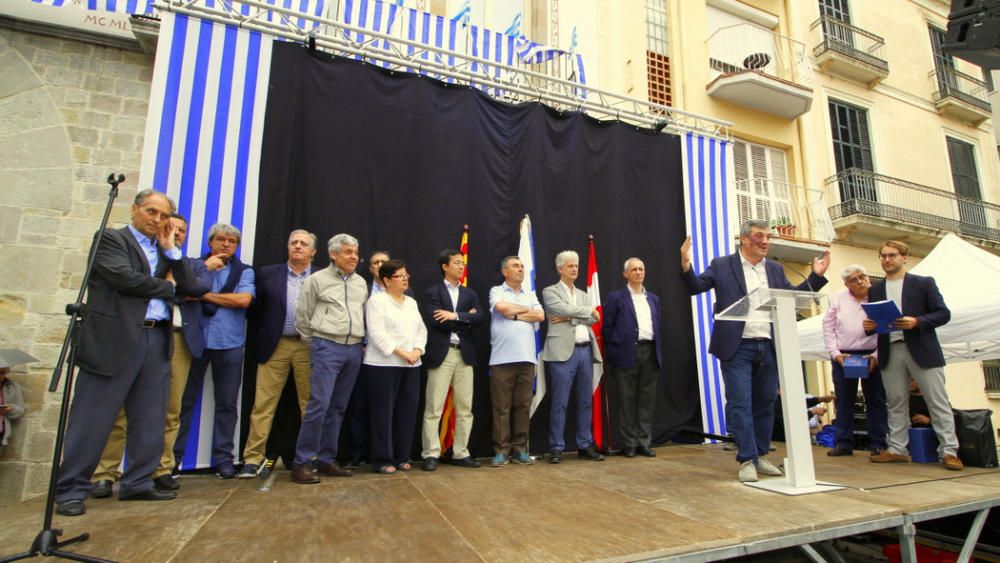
402 162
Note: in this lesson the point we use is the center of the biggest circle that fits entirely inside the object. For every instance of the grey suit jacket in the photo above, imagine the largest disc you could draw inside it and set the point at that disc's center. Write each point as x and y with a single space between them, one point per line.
561 337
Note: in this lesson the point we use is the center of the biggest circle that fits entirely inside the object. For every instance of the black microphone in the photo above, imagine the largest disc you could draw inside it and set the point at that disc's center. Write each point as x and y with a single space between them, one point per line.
806 279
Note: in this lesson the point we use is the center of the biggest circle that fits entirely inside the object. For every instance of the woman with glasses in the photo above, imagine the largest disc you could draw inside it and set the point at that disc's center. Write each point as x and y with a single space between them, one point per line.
396 339
846 340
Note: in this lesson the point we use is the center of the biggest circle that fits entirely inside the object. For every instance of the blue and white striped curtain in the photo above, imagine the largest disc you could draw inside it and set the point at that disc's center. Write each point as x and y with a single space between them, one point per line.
406 23
709 207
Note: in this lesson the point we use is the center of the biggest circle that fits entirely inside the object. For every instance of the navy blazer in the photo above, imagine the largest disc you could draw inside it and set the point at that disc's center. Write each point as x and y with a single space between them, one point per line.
191 319
439 334
921 299
621 327
118 294
269 308
725 275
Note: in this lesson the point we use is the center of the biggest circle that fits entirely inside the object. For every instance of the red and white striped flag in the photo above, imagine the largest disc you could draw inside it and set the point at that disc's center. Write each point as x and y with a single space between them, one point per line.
594 293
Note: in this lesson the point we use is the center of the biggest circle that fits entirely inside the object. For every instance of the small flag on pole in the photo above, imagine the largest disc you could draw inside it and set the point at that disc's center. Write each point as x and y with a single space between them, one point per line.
526 252
463 14
514 29
594 293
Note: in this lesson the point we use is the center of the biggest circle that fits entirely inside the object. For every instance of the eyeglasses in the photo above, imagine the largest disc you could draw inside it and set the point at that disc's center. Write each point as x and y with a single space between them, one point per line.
858 279
400 276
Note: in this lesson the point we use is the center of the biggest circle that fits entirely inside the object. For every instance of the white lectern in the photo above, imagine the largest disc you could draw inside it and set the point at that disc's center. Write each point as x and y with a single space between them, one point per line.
800 474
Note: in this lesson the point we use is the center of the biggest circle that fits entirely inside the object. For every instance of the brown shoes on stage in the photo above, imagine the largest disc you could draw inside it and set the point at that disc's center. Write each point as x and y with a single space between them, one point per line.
953 463
304 474
889 457
334 470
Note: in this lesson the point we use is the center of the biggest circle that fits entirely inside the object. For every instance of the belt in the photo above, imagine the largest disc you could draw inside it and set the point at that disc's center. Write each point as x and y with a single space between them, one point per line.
155 324
292 336
455 346
761 339
582 344
644 343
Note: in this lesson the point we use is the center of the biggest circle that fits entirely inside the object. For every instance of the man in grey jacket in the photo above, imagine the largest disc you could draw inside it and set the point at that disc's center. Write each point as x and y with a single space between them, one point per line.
330 314
570 353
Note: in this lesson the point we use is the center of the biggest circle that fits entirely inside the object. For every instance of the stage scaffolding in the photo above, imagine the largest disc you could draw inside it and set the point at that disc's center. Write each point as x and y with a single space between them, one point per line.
512 84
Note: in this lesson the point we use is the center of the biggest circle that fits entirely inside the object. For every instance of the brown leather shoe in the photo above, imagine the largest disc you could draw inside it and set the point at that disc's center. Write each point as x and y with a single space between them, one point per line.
951 462
304 475
334 470
889 457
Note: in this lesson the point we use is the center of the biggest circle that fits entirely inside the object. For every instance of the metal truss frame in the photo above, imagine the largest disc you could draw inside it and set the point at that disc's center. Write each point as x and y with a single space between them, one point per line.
507 83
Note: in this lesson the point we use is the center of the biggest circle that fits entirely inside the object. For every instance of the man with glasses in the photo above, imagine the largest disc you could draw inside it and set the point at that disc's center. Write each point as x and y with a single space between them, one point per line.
746 349
845 336
912 350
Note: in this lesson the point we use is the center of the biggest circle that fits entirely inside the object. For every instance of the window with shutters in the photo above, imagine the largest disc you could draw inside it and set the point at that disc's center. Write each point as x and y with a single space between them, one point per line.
657 53
852 149
762 190
991 371
972 216
838 10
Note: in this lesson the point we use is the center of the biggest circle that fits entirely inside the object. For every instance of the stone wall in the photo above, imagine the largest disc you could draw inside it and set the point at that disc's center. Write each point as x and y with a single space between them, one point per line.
71 113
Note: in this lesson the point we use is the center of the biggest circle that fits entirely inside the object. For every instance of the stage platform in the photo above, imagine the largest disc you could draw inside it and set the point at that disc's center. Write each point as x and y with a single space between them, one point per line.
685 504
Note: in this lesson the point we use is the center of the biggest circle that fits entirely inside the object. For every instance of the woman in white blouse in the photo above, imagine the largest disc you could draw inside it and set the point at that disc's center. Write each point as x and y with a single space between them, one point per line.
396 339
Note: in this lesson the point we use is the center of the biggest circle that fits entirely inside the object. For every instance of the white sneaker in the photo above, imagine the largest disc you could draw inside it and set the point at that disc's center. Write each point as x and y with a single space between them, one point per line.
765 467
748 472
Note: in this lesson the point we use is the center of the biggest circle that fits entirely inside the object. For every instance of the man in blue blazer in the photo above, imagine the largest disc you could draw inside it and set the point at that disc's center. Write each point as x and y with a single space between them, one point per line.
745 350
280 348
450 311
913 351
632 345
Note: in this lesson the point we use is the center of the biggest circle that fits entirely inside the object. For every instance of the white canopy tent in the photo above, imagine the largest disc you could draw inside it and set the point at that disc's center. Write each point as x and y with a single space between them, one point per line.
969 280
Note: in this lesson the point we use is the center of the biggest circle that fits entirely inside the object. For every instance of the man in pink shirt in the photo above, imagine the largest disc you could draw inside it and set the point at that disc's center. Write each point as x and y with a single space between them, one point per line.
845 336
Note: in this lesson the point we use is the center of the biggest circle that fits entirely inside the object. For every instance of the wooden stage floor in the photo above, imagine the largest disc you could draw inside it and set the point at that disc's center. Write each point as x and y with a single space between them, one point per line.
685 502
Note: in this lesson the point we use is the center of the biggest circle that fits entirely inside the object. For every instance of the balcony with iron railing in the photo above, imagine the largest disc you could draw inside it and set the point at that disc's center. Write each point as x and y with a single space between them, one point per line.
799 216
754 67
850 52
960 96
872 207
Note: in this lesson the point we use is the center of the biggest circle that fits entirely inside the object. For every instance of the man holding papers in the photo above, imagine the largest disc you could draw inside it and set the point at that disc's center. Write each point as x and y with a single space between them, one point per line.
848 344
912 349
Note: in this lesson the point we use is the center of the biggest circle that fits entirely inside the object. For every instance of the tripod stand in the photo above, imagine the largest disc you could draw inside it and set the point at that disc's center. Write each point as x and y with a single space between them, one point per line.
47 541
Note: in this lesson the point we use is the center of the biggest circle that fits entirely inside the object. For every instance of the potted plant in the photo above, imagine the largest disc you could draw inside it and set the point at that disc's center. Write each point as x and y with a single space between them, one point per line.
783 225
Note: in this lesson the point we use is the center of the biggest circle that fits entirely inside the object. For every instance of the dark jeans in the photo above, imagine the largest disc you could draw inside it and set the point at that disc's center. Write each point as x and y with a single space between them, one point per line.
334 371
877 413
751 378
394 394
227 376
637 394
577 375
356 447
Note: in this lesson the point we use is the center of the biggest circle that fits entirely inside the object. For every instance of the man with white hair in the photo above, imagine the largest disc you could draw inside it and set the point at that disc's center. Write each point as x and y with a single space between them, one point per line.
570 352
845 336
331 315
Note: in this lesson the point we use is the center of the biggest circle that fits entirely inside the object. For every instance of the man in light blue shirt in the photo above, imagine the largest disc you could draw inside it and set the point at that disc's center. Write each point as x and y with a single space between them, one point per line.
224 319
515 314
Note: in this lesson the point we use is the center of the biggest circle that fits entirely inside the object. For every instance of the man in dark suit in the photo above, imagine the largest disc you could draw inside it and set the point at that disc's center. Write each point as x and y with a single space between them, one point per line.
745 350
632 345
912 351
280 347
450 310
188 342
124 353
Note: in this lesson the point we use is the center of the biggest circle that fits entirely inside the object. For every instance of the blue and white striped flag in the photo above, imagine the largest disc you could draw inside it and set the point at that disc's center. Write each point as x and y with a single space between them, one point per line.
143 7
573 42
709 208
464 14
526 252
514 29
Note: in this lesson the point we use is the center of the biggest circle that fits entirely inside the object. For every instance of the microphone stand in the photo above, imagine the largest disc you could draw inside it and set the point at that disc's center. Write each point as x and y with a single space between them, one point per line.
47 541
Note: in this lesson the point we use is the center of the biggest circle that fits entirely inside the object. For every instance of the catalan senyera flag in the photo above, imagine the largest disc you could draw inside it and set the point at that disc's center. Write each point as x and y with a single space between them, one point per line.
594 293
447 432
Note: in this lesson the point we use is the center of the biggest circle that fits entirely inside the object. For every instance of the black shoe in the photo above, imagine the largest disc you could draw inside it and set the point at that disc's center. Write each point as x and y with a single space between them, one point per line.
352 463
430 464
166 483
468 461
628 452
71 508
838 451
248 471
149 494
102 489
225 470
555 456
590 453
645 451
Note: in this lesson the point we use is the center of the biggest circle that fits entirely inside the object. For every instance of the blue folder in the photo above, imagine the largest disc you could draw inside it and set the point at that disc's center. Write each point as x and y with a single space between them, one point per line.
883 313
